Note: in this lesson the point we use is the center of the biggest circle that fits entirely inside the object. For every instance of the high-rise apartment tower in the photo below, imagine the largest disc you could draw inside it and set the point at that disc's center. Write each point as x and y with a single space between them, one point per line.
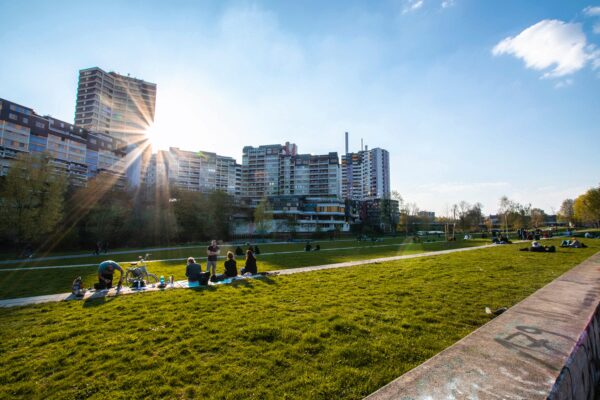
120 106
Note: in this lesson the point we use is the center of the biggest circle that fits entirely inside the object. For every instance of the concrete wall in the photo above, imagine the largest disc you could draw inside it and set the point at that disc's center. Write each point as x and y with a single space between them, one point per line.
546 347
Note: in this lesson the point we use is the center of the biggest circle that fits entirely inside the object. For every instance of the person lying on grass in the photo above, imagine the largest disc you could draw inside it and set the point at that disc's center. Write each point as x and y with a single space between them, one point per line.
106 270
537 247
250 267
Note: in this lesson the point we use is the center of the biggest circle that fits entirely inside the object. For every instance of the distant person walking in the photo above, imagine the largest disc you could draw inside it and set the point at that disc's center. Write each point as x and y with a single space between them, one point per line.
212 251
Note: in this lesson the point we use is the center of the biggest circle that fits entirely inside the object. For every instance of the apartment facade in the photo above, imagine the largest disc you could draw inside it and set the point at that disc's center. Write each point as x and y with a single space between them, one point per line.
121 107
75 151
197 171
366 174
278 170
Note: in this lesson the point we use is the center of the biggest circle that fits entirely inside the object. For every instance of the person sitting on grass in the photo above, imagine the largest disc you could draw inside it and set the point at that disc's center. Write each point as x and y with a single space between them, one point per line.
239 251
230 269
308 247
194 273
230 266
106 270
250 267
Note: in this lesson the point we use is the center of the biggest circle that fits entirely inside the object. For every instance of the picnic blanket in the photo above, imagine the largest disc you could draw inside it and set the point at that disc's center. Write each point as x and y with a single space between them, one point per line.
185 284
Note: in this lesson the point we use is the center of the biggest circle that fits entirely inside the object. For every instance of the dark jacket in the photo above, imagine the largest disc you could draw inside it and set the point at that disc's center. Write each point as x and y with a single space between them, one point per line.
193 272
251 266
230 268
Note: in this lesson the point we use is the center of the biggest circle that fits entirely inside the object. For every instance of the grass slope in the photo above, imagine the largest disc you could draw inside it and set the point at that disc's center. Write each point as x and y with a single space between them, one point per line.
25 283
320 335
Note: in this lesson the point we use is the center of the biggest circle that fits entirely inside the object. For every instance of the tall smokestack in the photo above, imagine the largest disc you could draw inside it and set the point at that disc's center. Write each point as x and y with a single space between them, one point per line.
361 144
346 142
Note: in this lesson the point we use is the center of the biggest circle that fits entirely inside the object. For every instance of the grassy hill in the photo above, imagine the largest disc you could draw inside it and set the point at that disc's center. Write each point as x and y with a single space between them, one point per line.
320 335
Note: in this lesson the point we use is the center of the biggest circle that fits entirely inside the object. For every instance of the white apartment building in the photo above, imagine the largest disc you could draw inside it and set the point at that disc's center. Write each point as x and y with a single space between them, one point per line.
197 171
278 170
366 174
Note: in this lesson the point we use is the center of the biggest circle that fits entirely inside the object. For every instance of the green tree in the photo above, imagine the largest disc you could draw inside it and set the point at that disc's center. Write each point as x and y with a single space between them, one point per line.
192 217
263 216
587 207
31 199
220 210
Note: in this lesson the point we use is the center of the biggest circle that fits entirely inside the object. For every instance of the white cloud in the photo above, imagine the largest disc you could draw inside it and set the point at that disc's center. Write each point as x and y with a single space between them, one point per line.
592 11
597 28
563 83
447 3
412 5
558 46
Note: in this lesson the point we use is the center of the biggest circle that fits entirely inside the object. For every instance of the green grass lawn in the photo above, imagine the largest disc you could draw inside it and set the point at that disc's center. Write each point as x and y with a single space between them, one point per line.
25 283
199 251
320 335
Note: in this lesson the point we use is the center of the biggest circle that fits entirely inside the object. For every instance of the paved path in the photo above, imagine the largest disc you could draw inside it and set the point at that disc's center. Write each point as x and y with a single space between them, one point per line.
110 293
204 258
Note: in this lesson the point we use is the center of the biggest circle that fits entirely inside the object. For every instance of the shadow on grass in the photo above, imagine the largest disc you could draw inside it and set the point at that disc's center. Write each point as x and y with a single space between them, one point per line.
96 301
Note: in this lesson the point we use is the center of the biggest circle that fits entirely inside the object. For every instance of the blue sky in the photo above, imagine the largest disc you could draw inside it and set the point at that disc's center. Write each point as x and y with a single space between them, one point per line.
473 99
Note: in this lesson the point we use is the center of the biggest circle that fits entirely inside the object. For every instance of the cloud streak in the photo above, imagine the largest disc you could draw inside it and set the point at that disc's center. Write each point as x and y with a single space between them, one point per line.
412 5
556 47
592 11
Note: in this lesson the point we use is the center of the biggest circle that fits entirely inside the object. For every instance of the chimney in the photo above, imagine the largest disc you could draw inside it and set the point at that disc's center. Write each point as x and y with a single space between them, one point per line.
346 142
361 144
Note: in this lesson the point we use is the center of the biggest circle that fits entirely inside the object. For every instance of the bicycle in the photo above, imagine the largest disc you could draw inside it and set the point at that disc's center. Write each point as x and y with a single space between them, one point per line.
138 276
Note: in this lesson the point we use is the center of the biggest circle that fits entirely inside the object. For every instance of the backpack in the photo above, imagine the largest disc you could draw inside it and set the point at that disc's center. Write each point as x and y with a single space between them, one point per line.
77 287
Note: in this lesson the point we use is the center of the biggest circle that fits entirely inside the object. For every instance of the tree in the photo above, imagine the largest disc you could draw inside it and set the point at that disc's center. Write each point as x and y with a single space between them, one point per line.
31 199
220 209
513 214
587 207
263 216
566 212
191 213
538 217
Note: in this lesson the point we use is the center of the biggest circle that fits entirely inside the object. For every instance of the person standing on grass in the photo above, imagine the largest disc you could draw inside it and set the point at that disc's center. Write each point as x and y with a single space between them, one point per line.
106 270
212 251
250 267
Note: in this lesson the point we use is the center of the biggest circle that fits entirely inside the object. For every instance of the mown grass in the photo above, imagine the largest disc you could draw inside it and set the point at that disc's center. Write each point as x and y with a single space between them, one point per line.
23 283
321 335
198 251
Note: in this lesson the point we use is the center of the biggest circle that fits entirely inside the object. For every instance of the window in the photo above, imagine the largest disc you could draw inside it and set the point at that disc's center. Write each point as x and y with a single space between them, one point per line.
40 125
25 120
12 116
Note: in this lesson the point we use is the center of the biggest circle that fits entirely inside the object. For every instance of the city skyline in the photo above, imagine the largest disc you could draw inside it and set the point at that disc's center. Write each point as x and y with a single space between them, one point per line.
451 89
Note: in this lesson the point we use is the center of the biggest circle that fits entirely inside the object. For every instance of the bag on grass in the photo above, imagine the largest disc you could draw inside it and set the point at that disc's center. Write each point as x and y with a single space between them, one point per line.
77 287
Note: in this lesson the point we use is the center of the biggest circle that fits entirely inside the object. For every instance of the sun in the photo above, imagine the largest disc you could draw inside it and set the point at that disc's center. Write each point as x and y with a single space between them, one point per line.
156 138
